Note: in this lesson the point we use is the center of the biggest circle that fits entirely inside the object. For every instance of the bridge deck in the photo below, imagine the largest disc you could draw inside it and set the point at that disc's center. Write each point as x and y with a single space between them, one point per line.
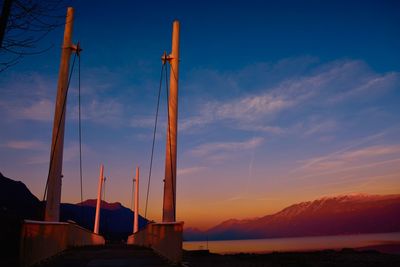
108 255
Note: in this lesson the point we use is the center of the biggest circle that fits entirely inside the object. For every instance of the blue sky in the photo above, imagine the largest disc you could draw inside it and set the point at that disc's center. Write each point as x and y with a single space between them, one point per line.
279 103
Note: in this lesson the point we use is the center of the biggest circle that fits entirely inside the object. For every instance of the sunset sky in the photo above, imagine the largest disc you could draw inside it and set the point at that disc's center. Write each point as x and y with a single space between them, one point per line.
279 103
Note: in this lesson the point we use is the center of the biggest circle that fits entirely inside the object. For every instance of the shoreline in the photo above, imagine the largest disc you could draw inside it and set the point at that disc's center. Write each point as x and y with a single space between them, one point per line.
385 248
367 257
383 242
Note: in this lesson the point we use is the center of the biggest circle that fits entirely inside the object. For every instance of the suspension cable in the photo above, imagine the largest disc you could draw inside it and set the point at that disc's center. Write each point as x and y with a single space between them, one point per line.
80 123
154 139
58 128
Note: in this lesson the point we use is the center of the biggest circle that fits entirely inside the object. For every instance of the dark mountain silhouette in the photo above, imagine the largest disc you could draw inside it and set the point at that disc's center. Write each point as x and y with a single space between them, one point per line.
116 221
18 203
16 200
104 204
349 214
192 233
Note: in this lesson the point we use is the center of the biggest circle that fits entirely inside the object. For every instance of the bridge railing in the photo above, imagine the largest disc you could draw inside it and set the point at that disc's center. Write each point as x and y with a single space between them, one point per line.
164 238
41 240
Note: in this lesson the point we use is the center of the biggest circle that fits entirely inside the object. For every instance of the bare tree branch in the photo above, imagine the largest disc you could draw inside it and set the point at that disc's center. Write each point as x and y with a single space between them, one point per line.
24 24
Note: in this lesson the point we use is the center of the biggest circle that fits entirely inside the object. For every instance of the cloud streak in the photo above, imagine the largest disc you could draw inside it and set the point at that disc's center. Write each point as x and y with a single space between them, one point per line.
36 100
355 158
324 85
71 153
25 145
226 147
43 110
190 170
343 169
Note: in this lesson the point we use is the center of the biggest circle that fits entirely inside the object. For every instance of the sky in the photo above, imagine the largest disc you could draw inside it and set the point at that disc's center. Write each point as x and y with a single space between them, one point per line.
279 102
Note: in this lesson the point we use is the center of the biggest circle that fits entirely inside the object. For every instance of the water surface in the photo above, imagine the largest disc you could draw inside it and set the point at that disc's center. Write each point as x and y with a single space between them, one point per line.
296 243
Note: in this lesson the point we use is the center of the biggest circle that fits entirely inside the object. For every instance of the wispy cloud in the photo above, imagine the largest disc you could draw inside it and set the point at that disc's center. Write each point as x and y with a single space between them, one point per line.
37 93
42 110
321 127
142 122
348 168
195 121
372 151
147 122
71 153
323 85
375 83
354 145
251 107
104 111
25 145
190 170
351 158
224 147
27 96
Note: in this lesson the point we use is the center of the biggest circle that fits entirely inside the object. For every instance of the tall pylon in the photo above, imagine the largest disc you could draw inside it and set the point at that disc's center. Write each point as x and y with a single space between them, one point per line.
53 197
169 203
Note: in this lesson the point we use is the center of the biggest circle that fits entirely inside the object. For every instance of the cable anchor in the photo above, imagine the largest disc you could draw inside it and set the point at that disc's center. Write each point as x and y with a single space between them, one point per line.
165 58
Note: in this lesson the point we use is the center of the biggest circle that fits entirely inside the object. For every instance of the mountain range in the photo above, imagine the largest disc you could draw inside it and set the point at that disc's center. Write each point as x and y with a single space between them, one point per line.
347 214
18 203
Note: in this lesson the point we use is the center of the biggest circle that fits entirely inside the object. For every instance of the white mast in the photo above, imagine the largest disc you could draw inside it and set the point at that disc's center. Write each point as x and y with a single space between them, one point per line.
98 204
136 218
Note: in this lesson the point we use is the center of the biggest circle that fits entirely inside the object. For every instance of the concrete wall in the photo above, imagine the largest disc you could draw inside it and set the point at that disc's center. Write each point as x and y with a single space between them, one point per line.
164 238
41 240
142 238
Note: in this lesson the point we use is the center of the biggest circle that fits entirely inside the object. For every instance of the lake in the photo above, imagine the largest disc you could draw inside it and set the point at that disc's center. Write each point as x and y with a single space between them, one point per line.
298 243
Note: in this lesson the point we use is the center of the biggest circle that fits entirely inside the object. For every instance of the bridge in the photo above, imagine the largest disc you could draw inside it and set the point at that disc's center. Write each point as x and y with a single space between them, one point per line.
41 240
107 255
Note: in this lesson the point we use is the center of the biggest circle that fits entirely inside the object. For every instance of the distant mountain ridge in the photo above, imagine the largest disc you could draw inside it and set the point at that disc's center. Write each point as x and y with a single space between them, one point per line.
103 204
346 214
18 203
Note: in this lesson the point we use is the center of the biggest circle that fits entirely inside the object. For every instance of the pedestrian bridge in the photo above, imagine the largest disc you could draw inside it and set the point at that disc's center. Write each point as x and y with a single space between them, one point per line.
108 255
41 240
